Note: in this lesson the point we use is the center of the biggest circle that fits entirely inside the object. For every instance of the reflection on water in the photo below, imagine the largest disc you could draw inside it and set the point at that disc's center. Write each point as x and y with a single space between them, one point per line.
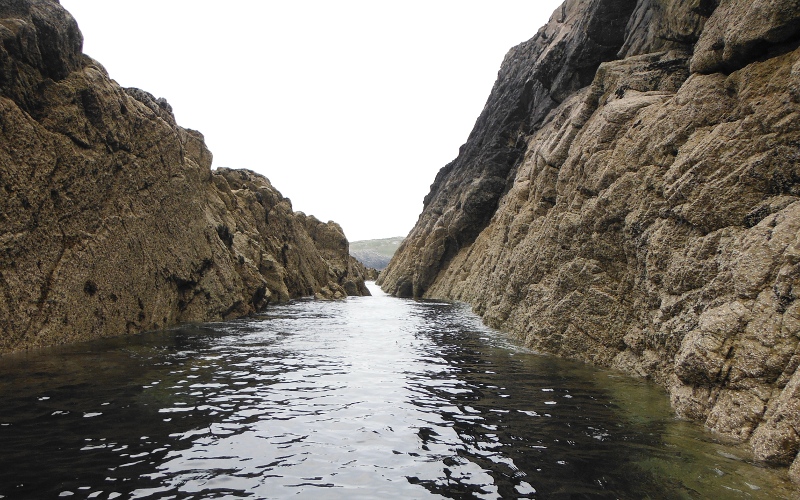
365 398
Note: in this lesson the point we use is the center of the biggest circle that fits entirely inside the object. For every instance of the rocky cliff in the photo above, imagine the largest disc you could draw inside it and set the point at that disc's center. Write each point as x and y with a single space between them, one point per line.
630 196
111 220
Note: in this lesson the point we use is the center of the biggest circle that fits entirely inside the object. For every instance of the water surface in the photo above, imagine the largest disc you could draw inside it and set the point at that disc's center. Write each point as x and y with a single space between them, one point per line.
372 397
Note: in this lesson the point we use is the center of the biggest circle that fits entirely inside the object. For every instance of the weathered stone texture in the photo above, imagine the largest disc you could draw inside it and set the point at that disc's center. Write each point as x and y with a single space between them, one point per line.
111 220
534 78
653 222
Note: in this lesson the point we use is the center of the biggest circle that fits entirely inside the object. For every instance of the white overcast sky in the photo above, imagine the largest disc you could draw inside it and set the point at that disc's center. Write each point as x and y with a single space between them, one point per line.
349 107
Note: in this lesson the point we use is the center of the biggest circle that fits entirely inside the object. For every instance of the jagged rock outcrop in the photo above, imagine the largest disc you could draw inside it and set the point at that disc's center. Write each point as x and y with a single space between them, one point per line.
111 220
650 219
534 77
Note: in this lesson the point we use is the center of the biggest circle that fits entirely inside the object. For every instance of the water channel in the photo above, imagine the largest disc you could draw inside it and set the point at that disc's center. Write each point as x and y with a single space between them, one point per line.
370 397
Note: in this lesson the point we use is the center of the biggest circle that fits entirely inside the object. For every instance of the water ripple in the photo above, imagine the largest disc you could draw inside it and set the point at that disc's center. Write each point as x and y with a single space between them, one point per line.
364 398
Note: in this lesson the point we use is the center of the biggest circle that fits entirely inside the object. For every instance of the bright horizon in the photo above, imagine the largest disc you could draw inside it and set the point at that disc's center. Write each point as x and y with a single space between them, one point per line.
349 108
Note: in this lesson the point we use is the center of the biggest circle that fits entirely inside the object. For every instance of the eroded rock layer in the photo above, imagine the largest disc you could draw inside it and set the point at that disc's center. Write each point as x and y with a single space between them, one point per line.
648 219
111 220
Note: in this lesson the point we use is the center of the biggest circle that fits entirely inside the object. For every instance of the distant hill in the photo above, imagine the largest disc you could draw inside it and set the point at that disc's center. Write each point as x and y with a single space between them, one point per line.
375 253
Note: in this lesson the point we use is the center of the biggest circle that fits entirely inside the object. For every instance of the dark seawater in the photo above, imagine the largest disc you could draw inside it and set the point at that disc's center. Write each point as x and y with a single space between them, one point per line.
372 397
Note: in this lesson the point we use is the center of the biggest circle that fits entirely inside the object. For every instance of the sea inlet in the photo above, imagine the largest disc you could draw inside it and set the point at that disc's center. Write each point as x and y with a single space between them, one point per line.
369 397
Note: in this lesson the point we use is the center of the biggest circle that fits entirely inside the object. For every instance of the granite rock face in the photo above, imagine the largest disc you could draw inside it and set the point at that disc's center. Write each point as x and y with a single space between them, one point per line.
111 220
651 217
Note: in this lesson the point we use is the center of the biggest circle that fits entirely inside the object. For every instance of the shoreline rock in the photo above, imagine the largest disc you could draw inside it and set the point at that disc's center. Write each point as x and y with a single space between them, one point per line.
650 220
111 219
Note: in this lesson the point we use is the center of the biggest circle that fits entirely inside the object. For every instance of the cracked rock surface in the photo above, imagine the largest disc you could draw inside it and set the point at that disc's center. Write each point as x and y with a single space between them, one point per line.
111 219
646 218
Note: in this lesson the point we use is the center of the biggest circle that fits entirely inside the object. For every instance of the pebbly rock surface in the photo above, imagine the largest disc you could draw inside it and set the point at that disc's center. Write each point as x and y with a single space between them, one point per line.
111 219
646 218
